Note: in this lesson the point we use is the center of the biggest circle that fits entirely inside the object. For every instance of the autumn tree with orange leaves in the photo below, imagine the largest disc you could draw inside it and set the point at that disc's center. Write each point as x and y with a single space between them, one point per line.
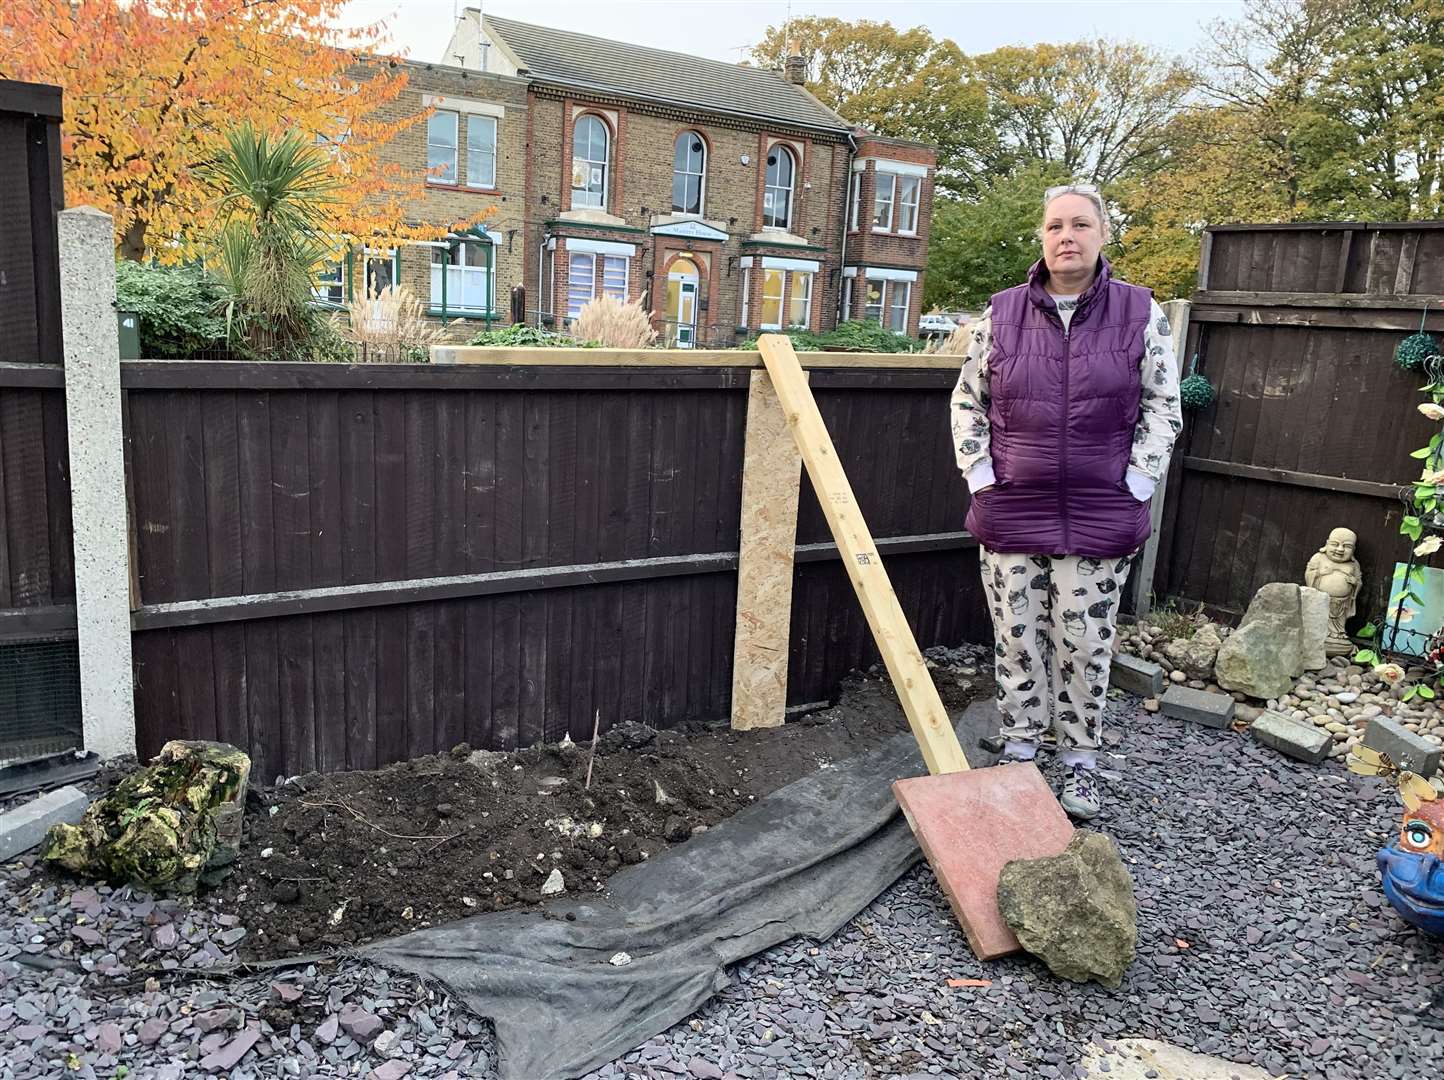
153 87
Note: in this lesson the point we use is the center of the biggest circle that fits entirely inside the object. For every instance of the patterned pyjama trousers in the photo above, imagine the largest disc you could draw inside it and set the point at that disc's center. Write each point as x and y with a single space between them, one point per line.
1053 622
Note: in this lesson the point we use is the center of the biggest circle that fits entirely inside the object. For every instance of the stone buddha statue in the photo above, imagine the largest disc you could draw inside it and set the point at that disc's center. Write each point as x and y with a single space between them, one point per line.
1334 570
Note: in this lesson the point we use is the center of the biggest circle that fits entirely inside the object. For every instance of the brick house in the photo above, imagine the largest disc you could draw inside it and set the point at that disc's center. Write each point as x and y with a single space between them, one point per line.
472 151
726 198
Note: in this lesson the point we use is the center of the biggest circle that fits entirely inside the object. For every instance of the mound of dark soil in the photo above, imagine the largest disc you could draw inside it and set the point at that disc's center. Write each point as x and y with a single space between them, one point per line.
345 858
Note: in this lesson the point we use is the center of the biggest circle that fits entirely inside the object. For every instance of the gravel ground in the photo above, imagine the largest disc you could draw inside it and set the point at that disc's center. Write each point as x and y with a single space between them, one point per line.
1263 938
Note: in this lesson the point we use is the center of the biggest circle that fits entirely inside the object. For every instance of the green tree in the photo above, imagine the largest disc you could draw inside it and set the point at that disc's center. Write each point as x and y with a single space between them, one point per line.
1220 167
981 246
273 195
1099 110
1347 99
903 83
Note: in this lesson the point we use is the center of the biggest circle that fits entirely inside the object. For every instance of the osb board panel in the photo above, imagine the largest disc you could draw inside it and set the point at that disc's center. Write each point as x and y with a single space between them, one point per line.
771 476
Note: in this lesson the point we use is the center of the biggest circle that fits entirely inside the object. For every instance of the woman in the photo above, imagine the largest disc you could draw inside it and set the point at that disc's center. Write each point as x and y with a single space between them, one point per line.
1063 419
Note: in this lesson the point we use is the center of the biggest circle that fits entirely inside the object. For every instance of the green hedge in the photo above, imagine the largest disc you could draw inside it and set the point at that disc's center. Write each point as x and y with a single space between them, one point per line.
520 336
179 309
870 336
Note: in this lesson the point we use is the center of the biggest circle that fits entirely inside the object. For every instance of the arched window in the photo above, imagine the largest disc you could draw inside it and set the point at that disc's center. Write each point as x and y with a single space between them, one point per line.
689 172
777 198
589 162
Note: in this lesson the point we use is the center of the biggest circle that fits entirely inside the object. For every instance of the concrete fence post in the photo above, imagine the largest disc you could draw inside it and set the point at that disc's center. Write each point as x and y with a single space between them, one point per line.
97 479
1141 582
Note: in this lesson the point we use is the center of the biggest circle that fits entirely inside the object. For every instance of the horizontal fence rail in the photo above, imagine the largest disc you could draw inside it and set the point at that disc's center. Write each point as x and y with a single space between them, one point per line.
1313 422
337 566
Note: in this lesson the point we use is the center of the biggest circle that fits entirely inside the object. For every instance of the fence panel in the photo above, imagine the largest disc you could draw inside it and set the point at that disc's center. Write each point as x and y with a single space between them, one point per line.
340 567
1313 423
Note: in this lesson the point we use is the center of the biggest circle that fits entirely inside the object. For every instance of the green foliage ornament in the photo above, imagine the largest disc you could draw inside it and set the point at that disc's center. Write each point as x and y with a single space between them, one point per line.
1195 392
1415 349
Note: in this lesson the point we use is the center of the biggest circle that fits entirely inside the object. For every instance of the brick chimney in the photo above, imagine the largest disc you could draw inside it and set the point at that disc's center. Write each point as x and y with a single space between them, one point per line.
795 68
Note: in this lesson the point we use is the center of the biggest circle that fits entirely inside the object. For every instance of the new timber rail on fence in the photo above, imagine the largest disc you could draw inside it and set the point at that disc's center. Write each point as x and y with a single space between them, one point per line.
338 566
1296 327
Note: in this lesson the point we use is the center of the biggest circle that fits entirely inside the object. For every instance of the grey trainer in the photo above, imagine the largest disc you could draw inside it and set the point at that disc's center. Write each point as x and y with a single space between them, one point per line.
1080 794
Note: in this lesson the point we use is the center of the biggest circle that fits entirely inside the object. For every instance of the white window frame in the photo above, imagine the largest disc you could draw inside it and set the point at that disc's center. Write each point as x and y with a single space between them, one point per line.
848 285
746 294
458 272
881 299
892 305
771 191
474 124
432 146
370 255
331 277
781 299
907 207
603 268
854 200
584 196
878 223
700 173
792 276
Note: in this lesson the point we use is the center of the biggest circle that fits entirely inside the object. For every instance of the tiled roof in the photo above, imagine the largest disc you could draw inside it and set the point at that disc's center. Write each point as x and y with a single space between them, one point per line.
580 60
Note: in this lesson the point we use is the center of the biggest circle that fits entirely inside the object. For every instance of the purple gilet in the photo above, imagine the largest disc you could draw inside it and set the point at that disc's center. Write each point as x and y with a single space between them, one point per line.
1062 413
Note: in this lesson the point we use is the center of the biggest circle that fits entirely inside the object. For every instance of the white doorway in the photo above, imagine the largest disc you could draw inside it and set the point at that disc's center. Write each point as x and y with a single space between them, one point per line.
681 310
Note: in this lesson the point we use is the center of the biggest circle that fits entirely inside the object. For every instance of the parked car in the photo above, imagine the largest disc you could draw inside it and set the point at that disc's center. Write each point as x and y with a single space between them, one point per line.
936 324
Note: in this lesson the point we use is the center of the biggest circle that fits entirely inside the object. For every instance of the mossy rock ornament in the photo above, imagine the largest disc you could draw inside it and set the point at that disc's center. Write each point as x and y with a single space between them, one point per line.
1196 392
162 826
1414 350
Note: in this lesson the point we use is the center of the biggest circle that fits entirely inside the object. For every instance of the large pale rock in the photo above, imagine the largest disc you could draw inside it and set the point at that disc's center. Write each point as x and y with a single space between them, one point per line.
1314 632
1195 655
1264 656
1074 911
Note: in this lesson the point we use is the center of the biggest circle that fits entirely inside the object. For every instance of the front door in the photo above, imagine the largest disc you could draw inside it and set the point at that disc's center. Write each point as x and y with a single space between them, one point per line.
682 303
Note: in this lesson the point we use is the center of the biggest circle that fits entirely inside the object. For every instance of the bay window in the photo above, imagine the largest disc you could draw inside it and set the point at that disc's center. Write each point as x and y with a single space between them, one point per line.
909 188
462 277
872 299
801 298
590 275
886 185
899 294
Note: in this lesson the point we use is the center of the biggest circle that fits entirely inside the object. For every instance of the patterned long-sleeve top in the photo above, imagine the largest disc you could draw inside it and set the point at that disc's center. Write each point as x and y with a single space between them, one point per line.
1159 422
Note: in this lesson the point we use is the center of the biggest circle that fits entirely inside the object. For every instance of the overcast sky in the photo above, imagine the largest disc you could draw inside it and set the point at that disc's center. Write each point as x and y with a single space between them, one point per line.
725 29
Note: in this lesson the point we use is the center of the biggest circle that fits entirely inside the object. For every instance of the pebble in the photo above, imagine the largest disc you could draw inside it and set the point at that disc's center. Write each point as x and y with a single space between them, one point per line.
1266 869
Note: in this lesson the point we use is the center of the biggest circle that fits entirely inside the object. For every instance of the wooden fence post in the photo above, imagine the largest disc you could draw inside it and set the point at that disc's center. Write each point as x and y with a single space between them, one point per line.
1141 582
97 479
771 479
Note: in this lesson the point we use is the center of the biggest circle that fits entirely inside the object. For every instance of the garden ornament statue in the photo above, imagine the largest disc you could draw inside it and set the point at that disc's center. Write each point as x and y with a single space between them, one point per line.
1335 571
1412 867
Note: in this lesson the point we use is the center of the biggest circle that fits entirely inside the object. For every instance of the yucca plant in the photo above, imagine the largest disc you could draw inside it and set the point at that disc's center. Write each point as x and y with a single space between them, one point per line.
273 194
614 325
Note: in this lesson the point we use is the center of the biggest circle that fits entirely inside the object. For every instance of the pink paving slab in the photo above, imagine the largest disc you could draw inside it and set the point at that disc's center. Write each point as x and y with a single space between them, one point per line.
969 824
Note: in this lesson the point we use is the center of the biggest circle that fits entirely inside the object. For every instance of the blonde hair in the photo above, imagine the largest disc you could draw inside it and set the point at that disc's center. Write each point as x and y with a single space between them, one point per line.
1085 191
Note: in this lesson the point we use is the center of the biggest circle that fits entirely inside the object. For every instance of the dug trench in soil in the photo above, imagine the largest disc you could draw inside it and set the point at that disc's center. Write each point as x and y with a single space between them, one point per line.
341 859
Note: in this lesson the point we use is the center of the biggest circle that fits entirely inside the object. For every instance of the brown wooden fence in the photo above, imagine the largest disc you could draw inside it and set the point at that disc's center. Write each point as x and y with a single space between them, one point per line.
37 579
1296 327
338 567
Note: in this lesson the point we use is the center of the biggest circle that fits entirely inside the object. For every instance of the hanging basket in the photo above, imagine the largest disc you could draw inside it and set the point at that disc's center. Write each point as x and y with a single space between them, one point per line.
1196 392
1416 349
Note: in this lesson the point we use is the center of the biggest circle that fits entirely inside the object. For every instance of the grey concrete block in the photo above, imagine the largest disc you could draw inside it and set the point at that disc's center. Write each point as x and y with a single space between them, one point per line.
1141 677
1305 742
1211 710
1405 748
25 826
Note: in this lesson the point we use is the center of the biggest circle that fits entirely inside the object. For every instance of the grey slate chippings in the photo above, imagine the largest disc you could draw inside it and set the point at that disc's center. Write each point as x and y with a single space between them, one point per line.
1294 962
